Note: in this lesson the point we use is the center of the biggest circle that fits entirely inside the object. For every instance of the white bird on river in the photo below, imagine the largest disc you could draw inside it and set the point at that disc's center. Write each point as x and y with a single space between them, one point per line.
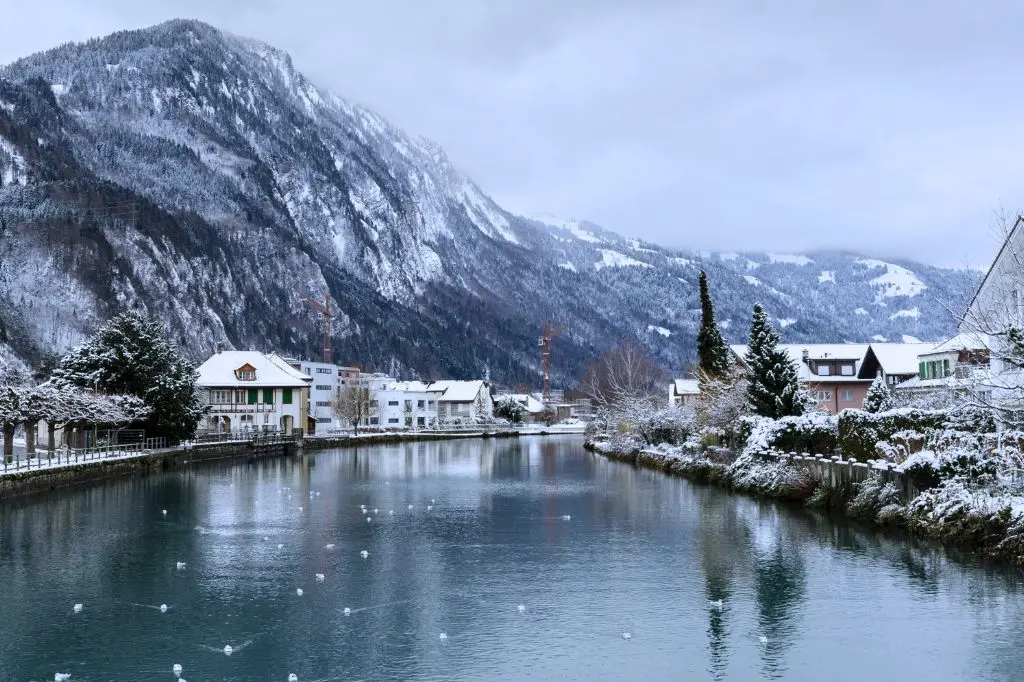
181 565
228 650
410 507
391 512
292 677
329 545
443 636
61 677
298 591
319 577
763 639
429 507
280 546
521 608
163 608
176 669
566 517
627 635
348 611
375 510
716 604
164 512
364 554
369 518
77 608
432 501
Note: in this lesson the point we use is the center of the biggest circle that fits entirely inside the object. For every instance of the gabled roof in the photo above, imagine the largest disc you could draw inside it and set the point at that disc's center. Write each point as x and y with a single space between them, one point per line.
899 358
413 387
271 371
532 405
999 254
818 351
686 386
965 341
458 391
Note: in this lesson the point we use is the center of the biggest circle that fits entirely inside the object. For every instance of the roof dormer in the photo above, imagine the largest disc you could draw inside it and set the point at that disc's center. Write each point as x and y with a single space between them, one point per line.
246 373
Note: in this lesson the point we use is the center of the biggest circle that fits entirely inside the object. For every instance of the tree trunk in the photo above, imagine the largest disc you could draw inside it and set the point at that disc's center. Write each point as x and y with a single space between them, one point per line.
30 438
51 437
8 430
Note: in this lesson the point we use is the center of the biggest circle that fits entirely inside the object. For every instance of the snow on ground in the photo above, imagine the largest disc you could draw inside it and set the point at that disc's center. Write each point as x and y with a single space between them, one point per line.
879 338
728 255
43 463
660 330
907 338
860 311
793 258
897 280
826 276
12 165
786 322
567 266
683 261
614 259
571 226
752 264
912 313
725 324
752 281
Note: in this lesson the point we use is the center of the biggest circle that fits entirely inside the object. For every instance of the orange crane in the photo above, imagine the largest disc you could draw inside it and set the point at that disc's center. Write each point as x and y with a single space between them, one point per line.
324 309
547 334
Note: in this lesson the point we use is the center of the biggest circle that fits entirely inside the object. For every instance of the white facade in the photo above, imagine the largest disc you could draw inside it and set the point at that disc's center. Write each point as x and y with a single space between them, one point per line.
460 400
408 405
322 393
250 391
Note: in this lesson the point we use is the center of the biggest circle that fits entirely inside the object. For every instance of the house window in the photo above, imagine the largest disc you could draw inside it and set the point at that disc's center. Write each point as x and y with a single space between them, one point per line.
323 420
393 420
419 404
421 421
430 404
268 396
392 403
323 403
239 397
323 370
823 396
220 397
323 387
846 370
824 370
408 406
246 373
945 367
846 396
254 395
374 421
286 396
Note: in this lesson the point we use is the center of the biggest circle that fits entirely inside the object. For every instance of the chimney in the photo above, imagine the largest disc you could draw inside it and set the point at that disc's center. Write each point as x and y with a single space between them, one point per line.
219 347
806 355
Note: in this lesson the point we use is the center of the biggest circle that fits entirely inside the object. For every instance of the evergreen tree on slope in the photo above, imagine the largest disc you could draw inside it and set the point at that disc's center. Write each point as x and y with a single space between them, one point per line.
130 356
878 398
773 388
712 351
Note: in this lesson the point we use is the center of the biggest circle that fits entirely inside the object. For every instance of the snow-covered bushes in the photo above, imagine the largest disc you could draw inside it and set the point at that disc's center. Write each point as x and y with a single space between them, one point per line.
776 479
860 431
876 498
923 469
814 433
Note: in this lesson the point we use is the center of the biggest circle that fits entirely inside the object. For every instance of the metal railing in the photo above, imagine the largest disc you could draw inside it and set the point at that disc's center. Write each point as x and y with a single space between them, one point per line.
67 456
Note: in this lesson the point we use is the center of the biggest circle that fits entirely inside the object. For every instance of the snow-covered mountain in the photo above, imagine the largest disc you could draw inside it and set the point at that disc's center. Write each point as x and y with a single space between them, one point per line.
199 176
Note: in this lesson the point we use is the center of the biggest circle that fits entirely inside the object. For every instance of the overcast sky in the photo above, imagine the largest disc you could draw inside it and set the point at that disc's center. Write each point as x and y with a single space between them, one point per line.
894 127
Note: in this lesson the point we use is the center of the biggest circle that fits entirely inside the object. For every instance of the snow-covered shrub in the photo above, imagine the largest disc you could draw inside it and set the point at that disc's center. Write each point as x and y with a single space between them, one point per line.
923 469
873 495
969 465
860 431
672 424
771 478
900 445
969 418
814 432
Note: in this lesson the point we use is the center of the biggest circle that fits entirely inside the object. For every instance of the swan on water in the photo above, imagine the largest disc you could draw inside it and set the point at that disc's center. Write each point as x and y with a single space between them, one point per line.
763 639
298 591
375 510
329 545
319 577
77 608
443 637
364 554
347 611
61 677
391 512
164 512
292 677
715 604
521 608
429 507
176 669
566 517
180 565
300 509
163 608
227 649
369 518
627 635
410 507
432 501
280 546
265 538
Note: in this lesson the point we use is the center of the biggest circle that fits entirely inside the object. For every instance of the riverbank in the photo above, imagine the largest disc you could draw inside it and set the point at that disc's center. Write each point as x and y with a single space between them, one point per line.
53 474
986 523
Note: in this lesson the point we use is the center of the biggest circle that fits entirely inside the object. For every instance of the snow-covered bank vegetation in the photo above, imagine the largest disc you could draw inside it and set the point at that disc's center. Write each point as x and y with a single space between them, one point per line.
944 469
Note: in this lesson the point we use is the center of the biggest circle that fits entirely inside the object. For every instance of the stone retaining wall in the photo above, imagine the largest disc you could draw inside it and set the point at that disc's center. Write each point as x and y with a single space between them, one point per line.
838 473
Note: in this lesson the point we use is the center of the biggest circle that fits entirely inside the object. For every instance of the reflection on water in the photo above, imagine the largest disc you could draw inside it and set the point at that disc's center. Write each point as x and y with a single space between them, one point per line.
711 586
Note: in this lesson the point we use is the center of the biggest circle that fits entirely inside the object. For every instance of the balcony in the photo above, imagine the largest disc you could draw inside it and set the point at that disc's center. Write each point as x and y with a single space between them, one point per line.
241 408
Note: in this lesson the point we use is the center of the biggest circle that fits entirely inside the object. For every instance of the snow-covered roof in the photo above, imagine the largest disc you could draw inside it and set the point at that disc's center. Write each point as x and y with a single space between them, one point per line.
532 405
965 341
899 358
458 391
687 386
271 371
818 351
413 387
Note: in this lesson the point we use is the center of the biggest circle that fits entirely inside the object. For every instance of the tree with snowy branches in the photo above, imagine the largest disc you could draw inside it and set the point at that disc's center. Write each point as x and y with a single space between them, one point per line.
712 352
878 398
772 386
510 409
129 355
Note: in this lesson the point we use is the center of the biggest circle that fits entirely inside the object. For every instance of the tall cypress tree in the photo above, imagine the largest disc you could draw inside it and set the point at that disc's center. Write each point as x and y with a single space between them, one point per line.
712 352
773 388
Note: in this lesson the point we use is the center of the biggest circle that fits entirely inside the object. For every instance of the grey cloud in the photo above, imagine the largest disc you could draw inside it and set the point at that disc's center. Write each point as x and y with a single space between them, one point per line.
887 126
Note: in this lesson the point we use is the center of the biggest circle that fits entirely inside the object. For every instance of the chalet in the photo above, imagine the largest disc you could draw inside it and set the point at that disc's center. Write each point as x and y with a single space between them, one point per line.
683 392
894 362
961 363
251 391
830 372
461 399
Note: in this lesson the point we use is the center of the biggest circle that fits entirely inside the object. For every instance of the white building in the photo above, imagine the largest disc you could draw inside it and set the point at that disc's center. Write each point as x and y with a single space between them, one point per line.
251 391
322 393
461 400
408 405
959 364
683 392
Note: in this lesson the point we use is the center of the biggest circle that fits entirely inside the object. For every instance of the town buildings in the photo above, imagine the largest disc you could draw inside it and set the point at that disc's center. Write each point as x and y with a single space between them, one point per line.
248 391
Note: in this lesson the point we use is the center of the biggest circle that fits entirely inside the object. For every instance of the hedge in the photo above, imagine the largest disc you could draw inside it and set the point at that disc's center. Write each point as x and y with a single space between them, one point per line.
859 430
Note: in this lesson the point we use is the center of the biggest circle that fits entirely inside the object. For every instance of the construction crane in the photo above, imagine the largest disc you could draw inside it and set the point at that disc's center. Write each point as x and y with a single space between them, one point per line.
547 334
324 309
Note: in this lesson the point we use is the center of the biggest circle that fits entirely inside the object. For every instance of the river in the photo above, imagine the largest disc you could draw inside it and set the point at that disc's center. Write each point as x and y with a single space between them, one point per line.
591 549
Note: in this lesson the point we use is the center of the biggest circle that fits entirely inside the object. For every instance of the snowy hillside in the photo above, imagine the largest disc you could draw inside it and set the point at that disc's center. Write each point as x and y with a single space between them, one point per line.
199 176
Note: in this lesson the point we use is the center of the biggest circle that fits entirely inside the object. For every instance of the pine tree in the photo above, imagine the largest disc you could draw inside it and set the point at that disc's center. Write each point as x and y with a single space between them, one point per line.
130 356
712 352
879 398
772 385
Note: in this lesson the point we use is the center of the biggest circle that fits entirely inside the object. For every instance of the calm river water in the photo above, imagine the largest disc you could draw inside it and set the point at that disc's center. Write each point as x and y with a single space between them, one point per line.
591 549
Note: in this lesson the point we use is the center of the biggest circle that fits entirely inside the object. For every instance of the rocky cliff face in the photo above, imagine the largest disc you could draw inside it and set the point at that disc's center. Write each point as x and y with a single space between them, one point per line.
197 175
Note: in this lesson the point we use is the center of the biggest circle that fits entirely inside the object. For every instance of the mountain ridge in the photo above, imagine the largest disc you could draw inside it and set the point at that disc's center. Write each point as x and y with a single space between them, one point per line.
251 188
